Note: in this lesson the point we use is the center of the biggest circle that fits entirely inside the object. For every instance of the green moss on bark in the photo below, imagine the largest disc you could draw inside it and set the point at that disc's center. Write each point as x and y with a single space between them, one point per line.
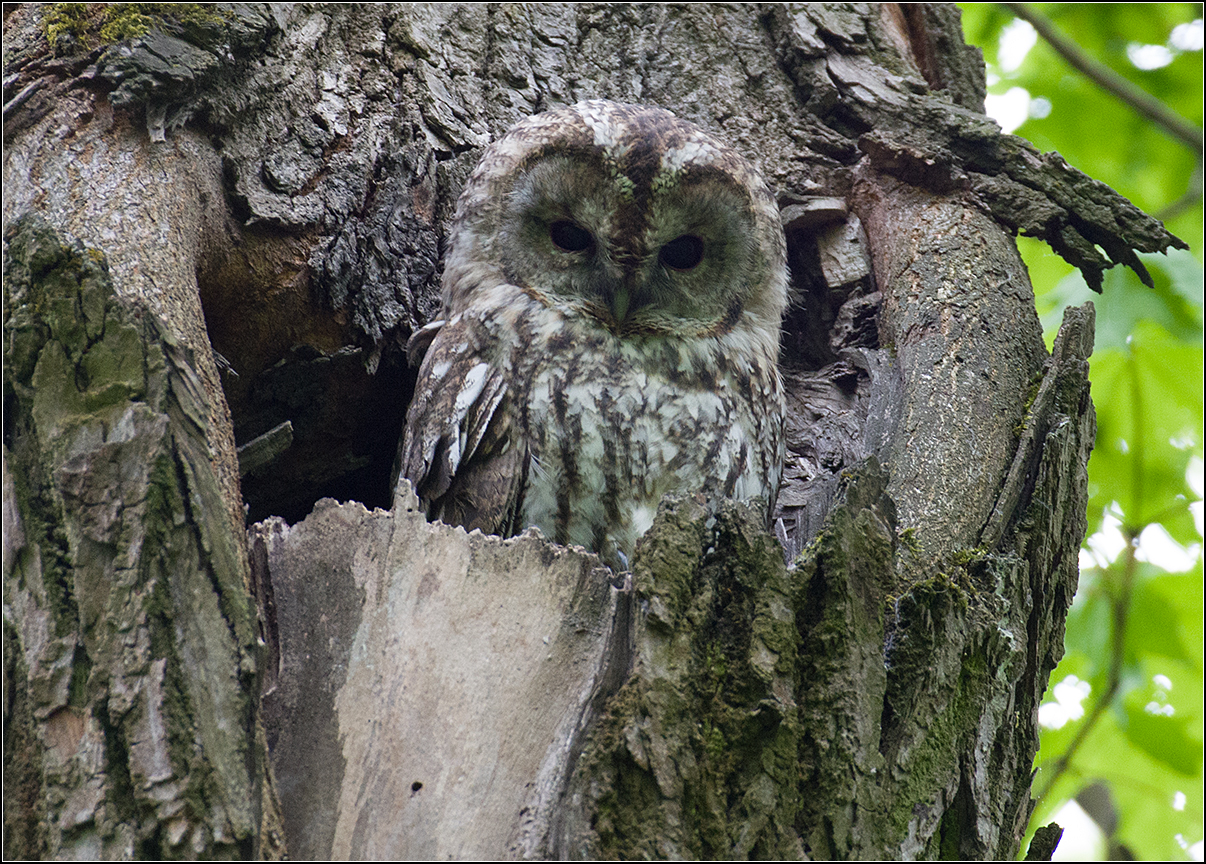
71 27
699 748
128 551
834 710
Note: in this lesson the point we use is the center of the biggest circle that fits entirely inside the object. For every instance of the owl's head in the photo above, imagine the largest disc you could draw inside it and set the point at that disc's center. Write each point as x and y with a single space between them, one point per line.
624 215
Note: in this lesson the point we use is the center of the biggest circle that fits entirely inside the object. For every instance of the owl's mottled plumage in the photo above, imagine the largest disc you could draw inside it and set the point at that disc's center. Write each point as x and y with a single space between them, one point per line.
612 298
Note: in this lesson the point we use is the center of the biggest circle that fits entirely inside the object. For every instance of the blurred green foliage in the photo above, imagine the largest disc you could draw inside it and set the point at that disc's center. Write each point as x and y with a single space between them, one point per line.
1135 631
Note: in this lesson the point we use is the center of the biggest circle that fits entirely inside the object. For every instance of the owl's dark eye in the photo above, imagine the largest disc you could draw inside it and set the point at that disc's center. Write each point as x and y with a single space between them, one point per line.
569 237
682 253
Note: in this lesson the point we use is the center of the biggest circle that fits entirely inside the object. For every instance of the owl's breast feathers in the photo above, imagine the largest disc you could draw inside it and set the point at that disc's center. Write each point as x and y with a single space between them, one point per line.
462 449
525 415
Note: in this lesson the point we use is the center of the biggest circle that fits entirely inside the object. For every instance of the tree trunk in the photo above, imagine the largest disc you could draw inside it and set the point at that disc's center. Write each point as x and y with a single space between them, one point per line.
220 232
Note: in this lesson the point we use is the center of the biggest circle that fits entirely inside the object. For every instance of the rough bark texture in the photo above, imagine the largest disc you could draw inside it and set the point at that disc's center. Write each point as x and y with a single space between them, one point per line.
269 187
130 638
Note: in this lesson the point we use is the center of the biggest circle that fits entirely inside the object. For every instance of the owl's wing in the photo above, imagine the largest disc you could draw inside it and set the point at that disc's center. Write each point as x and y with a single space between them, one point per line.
462 449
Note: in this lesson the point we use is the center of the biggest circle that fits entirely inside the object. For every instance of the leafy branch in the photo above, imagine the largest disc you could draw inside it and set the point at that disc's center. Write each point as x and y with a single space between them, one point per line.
1147 105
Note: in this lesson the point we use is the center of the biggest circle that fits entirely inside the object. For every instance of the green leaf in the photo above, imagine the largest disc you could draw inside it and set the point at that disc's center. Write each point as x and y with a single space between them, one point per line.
1089 629
1183 592
1144 789
1146 376
1165 739
1154 623
1175 303
1126 151
1150 398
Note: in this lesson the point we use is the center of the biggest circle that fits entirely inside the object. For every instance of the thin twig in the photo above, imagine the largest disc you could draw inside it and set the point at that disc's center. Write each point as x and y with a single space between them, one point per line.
1193 194
1176 208
1146 104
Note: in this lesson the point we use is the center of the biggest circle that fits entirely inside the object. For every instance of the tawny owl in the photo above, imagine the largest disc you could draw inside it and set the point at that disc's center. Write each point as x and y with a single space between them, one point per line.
612 298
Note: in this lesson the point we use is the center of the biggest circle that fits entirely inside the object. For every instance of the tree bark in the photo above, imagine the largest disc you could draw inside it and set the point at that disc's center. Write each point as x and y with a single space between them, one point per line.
220 233
131 663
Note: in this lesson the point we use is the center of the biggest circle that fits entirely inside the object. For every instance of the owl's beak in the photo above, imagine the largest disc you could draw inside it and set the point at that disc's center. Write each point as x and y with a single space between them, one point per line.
623 290
625 298
619 302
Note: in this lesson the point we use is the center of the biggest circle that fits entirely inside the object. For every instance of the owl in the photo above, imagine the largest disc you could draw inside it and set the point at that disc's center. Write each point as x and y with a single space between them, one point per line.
612 298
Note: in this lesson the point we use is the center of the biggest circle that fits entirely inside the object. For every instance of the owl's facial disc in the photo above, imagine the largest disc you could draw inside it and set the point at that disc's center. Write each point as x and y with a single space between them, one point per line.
673 258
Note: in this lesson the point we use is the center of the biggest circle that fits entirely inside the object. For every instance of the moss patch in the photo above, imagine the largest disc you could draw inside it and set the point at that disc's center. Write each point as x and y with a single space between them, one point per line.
698 749
80 27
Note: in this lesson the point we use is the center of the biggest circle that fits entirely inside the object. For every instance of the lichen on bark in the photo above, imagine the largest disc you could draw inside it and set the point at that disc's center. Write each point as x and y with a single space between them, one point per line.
696 755
133 631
